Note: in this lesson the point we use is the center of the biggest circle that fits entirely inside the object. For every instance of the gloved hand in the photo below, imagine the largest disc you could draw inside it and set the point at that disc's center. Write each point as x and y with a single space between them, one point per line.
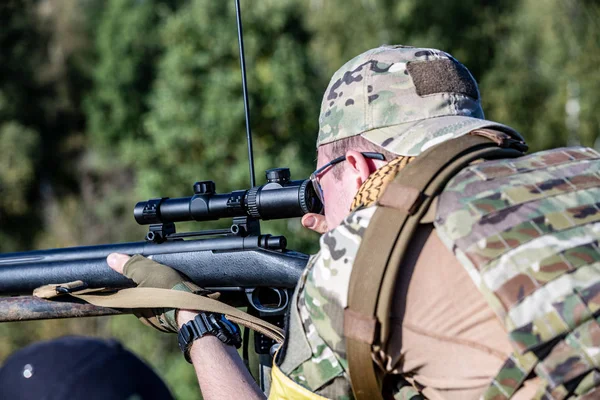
147 273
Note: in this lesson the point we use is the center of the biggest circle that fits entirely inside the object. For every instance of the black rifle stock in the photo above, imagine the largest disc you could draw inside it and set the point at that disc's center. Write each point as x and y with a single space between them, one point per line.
222 262
238 267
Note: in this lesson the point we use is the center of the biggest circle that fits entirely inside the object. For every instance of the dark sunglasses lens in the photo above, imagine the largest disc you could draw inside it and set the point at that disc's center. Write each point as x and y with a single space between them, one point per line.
317 187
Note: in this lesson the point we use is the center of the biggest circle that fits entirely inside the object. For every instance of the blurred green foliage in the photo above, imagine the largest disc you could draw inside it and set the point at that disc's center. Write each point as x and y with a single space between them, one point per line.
545 83
105 103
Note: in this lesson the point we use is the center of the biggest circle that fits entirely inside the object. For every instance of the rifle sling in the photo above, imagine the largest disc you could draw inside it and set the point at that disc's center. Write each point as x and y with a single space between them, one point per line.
372 282
142 297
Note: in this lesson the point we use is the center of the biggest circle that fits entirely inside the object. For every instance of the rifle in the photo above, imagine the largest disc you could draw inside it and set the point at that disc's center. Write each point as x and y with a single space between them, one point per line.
240 262
248 268
245 266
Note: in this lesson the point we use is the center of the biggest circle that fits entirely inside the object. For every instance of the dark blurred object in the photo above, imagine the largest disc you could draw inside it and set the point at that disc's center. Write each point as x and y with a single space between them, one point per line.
79 368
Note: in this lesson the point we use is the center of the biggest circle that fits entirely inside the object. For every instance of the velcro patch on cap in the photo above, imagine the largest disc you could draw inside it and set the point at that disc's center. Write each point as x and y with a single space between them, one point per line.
442 76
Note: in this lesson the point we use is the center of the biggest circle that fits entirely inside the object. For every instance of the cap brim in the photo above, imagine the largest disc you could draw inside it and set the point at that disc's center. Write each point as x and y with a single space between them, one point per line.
412 138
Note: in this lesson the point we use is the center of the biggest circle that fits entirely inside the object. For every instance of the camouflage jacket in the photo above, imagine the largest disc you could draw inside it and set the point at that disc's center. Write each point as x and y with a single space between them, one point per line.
527 232
314 354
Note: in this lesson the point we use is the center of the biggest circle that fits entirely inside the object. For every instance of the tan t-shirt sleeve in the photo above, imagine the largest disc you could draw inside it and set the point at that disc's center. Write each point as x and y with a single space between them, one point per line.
444 334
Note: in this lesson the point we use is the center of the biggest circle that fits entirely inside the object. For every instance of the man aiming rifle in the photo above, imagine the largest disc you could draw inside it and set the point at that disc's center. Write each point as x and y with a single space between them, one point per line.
441 274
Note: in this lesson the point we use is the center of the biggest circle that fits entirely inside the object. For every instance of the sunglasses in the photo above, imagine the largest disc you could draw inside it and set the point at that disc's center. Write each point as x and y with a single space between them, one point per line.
314 177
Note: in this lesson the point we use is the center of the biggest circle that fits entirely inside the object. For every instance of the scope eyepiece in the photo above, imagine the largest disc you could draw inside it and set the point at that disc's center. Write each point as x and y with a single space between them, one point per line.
279 198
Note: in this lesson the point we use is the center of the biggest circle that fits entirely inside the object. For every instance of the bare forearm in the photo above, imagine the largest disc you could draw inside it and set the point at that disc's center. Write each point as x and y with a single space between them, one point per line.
221 372
219 369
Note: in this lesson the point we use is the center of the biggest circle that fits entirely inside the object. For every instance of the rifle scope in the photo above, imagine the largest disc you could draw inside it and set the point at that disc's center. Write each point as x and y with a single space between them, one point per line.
279 198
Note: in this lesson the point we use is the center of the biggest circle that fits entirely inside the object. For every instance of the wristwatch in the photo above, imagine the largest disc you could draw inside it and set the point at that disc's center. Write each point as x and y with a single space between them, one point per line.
208 324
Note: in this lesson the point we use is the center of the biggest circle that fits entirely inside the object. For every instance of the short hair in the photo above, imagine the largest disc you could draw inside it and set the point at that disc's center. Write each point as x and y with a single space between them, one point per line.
340 147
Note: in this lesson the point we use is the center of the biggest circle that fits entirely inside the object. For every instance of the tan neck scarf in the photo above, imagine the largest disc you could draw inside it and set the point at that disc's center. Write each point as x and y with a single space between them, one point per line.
374 186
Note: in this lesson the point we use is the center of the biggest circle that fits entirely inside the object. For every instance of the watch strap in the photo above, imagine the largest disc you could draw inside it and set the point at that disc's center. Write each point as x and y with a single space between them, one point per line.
208 324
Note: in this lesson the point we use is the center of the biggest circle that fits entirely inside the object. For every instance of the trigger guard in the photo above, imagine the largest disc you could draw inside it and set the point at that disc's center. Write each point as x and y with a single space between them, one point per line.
252 295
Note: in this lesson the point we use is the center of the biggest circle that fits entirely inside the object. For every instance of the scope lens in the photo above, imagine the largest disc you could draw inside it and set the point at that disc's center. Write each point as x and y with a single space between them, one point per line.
310 200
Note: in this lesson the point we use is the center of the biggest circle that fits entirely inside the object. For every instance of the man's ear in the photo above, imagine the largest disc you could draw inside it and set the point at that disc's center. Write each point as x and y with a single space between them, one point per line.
360 167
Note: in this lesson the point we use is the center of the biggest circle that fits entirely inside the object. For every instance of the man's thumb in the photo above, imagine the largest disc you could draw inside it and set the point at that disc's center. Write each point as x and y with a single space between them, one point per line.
117 261
315 222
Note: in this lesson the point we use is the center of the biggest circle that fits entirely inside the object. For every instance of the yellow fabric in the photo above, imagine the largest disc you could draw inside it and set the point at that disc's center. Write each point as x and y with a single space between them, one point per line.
283 388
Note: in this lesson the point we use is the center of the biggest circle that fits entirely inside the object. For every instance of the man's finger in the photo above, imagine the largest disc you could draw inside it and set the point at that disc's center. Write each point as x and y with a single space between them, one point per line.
315 222
116 261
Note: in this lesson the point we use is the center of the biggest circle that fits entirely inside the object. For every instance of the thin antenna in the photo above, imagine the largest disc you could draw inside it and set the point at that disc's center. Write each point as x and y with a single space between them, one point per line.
245 89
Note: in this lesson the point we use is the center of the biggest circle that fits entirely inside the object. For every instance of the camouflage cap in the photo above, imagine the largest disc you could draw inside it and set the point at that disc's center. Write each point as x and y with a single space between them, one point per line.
404 99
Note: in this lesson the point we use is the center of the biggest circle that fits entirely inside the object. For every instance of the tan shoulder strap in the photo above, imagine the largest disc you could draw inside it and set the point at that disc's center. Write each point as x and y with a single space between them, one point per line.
142 297
402 206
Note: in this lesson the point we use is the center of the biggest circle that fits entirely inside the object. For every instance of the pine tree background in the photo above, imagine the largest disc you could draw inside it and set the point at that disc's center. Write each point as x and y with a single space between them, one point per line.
106 103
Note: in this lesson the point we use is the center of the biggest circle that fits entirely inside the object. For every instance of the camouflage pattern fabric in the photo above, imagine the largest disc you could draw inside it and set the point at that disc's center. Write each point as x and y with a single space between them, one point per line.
322 297
323 293
527 231
321 302
380 95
